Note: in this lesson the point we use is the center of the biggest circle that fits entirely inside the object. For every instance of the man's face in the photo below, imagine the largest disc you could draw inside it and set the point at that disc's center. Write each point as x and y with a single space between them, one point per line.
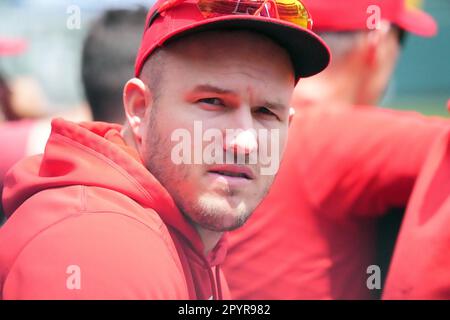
218 82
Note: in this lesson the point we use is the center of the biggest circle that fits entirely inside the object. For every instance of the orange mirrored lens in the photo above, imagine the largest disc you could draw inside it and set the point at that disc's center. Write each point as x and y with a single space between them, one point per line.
289 10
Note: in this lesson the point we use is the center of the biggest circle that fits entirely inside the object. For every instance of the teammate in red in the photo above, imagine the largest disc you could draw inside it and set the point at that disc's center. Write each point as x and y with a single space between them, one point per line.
420 267
346 164
106 211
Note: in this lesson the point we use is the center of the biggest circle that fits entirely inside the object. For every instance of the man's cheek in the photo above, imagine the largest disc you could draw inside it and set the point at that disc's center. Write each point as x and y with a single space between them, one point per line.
270 150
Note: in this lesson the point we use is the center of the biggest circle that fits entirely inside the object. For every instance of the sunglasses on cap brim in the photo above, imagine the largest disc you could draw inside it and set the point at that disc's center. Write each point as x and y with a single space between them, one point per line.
292 11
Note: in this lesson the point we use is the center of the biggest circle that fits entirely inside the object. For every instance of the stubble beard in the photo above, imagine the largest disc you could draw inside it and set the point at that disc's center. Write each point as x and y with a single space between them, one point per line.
208 211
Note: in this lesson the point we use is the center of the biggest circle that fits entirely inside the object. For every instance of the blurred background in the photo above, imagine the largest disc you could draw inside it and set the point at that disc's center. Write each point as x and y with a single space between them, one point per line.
54 42
422 78
54 31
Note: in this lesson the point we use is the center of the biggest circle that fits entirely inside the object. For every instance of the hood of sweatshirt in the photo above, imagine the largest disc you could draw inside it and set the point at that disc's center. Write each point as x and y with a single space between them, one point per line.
95 154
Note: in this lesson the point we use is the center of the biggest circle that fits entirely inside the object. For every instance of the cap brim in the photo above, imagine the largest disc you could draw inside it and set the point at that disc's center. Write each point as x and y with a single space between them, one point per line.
11 47
417 22
309 53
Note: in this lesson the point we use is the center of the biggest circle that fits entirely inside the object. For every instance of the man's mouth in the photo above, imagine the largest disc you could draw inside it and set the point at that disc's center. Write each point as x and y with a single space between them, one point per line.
231 174
234 171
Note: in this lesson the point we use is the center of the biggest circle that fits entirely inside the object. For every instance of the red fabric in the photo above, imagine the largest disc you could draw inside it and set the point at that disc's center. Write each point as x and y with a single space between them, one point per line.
88 202
420 267
313 236
13 140
332 15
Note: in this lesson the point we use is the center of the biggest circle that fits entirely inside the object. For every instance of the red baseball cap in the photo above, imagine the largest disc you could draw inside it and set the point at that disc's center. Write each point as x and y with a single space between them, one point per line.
348 15
309 53
12 47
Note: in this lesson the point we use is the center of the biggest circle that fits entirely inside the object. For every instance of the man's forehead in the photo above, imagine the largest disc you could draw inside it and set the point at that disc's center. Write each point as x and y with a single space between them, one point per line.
231 61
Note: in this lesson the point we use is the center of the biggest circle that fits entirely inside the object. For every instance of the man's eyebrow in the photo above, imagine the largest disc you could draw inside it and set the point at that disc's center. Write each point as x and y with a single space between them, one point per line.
275 105
211 88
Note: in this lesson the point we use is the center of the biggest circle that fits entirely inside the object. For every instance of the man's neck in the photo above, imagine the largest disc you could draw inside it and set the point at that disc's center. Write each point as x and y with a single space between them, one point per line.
209 238
127 135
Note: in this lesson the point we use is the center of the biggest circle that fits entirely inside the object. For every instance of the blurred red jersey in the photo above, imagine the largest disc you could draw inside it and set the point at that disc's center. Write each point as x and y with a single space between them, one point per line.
313 237
13 140
420 267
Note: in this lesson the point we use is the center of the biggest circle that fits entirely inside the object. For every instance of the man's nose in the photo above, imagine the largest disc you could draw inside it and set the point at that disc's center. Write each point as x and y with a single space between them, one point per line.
242 137
241 142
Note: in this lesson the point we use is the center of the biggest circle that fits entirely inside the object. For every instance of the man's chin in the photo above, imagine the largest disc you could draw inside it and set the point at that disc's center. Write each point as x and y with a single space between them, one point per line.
218 214
221 226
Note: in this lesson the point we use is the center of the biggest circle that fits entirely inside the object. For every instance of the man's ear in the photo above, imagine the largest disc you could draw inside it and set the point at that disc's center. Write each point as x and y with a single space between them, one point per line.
137 100
375 41
291 114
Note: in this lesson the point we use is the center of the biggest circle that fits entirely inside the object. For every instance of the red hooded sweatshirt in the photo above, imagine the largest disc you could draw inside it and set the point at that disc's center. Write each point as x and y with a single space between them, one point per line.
420 267
86 220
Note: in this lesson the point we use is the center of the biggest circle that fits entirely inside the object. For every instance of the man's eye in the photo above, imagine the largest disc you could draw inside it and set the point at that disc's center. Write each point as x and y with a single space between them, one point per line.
266 111
212 101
